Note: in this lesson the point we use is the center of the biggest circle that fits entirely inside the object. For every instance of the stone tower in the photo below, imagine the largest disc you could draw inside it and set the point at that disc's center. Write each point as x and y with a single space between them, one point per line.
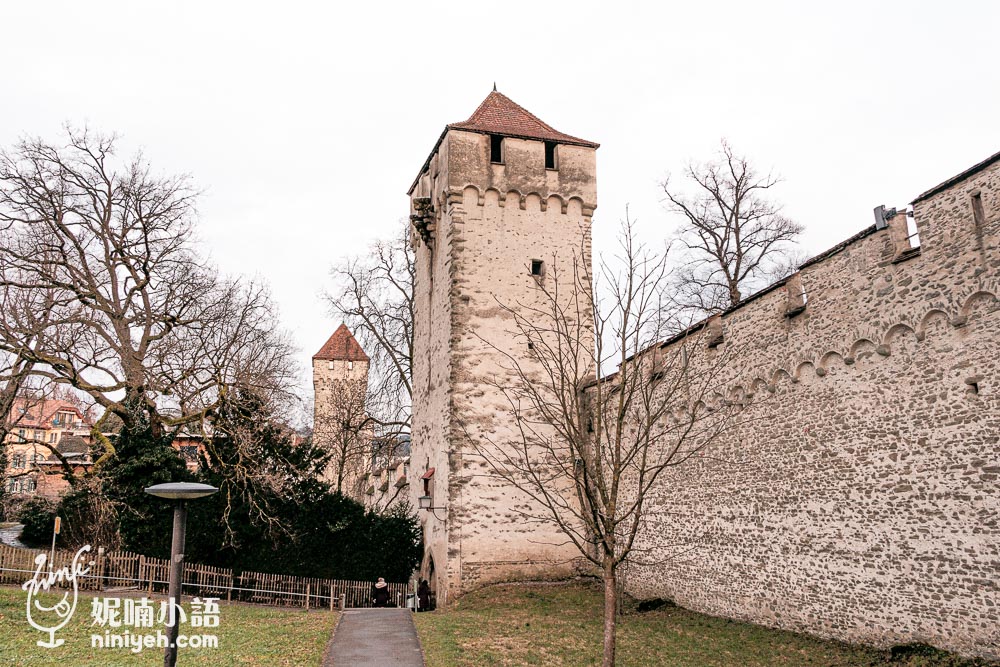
340 383
502 201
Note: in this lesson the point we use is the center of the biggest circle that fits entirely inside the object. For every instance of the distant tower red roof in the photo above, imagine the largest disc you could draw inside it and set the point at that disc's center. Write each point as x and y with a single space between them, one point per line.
341 347
498 114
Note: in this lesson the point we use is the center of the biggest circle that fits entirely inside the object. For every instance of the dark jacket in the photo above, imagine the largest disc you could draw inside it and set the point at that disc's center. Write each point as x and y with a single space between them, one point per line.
380 596
424 596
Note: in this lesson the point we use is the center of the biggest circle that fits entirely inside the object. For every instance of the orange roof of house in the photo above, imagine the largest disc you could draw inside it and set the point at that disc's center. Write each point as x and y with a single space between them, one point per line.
498 114
341 347
39 413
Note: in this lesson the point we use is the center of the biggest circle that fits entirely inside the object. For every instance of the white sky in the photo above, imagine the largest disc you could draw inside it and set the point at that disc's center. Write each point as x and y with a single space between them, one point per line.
306 123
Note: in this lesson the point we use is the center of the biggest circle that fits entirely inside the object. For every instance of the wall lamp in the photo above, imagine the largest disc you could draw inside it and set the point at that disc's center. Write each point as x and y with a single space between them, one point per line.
427 503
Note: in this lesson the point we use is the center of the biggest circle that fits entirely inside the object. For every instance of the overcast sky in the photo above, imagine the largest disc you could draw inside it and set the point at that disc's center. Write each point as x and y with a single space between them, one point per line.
306 123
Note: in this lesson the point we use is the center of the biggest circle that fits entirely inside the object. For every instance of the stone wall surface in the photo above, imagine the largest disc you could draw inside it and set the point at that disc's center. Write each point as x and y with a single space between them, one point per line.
861 501
431 370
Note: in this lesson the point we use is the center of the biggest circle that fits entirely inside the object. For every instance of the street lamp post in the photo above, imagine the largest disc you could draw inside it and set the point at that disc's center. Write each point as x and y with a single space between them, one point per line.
180 492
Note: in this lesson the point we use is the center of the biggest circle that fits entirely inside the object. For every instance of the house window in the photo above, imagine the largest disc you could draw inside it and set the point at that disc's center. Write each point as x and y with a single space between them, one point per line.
537 267
29 485
20 434
40 436
496 149
17 461
550 155
330 366
52 436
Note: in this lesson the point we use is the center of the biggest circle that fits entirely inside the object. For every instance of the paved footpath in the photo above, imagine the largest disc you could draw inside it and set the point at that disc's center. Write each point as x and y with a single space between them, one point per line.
375 638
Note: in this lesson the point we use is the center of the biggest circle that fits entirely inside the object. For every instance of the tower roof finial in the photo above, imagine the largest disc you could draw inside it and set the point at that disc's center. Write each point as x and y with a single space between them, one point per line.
494 86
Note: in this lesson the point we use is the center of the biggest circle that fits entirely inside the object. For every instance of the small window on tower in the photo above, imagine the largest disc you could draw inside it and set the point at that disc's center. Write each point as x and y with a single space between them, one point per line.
978 214
331 366
550 155
537 267
496 149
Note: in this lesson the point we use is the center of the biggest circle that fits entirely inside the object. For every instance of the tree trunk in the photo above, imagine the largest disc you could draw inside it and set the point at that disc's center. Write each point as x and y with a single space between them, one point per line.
734 293
610 612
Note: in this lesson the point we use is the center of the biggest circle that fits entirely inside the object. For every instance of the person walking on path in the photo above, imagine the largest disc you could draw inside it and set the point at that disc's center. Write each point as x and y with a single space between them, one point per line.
423 596
380 593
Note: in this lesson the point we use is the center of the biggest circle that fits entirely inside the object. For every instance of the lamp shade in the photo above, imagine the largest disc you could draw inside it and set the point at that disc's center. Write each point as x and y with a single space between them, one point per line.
425 502
181 490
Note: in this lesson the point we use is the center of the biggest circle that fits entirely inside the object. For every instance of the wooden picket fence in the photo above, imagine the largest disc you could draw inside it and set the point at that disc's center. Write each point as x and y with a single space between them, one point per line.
120 570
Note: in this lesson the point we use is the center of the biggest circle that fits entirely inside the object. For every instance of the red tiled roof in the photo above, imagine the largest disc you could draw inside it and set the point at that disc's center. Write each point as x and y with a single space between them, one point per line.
498 114
341 347
39 413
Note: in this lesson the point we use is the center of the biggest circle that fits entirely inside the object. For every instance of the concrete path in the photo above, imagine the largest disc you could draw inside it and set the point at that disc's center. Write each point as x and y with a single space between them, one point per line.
375 638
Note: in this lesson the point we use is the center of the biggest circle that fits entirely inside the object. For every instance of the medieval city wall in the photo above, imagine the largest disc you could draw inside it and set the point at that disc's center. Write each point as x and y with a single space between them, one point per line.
860 500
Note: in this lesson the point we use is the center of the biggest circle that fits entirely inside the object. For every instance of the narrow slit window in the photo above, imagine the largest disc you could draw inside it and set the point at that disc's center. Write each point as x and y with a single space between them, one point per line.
550 155
496 149
536 267
978 214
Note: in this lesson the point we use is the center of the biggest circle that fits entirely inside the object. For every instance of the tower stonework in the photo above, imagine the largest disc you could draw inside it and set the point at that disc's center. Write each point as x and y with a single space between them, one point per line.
502 203
340 384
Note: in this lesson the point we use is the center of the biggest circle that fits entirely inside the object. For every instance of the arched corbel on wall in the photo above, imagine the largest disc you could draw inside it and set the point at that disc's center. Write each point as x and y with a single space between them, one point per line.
935 321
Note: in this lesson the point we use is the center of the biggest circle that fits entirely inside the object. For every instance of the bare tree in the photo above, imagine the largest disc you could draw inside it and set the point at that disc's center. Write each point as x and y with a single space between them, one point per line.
374 297
135 318
589 451
23 395
735 238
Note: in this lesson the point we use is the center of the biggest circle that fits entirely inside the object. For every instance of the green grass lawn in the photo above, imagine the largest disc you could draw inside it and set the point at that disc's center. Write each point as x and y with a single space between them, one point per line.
561 625
247 635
